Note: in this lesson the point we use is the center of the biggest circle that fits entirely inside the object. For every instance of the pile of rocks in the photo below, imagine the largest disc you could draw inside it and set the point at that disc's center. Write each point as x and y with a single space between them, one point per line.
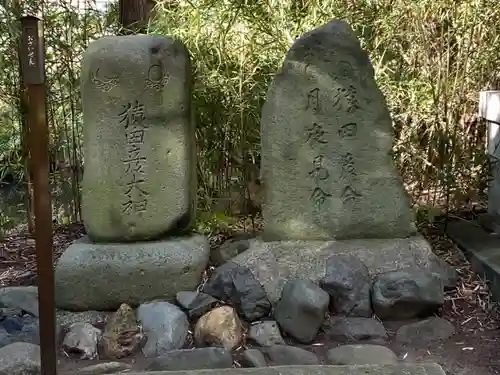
231 322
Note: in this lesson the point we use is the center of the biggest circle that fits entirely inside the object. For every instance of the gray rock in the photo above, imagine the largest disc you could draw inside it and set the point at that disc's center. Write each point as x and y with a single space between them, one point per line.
274 263
90 276
347 281
253 358
354 328
406 294
192 359
326 140
265 333
228 250
101 369
448 274
20 358
82 341
20 297
361 355
428 330
286 355
140 165
5 338
196 303
301 310
237 286
165 325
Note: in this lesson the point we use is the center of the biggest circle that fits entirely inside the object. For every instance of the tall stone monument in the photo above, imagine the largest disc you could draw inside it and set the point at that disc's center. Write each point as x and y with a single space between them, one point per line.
139 145
326 146
329 181
139 184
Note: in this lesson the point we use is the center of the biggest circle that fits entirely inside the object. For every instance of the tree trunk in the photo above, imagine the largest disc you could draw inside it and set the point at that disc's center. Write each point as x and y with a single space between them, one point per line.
135 14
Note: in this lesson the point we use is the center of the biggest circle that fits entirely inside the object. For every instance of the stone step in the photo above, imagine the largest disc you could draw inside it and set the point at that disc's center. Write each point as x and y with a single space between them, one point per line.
399 369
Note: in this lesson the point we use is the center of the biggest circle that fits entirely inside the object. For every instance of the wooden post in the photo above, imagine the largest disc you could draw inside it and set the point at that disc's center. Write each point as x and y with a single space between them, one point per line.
34 78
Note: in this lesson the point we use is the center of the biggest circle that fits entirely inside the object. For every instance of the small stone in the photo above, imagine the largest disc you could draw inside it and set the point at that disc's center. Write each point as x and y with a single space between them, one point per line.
266 333
81 340
229 249
192 359
428 330
20 358
237 286
287 355
354 328
347 281
406 294
219 327
20 297
103 368
361 355
196 303
301 310
165 325
122 335
253 358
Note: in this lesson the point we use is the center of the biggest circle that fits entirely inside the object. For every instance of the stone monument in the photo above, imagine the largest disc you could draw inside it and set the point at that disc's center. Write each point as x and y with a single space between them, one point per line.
139 185
326 146
330 184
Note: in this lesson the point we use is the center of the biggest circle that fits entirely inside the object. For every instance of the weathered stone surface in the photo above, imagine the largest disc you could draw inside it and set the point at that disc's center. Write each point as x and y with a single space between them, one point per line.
326 137
253 358
265 333
193 359
139 143
196 303
237 286
165 325
361 355
100 369
406 294
20 358
274 263
90 276
66 318
122 335
219 327
424 331
399 369
81 341
22 297
301 310
354 328
285 355
347 281
229 249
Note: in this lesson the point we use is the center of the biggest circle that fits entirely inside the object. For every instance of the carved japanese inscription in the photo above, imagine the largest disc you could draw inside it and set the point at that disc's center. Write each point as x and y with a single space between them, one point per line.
132 120
315 136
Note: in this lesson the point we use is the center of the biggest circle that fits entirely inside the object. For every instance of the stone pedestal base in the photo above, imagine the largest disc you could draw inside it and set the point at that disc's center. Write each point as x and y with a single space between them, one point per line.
274 263
101 276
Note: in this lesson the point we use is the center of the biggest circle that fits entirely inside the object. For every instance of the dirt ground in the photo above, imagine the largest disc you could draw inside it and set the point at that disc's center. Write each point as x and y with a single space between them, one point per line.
475 349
